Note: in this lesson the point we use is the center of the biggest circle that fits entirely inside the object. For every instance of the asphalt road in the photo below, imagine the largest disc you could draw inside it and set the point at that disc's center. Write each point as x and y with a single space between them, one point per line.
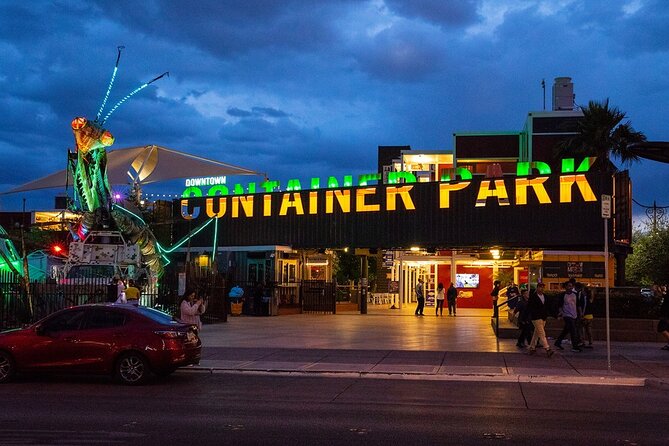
192 408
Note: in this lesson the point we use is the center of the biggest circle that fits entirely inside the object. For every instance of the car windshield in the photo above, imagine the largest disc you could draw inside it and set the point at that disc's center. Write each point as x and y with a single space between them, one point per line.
156 315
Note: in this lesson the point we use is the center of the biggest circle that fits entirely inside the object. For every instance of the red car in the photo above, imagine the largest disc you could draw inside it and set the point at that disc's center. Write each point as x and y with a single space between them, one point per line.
126 341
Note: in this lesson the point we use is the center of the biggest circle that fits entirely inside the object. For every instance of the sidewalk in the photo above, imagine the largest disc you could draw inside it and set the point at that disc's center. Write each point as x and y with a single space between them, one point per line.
395 344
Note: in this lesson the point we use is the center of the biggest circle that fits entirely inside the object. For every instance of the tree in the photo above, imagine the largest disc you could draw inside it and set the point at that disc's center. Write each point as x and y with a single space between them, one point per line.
649 263
603 132
347 267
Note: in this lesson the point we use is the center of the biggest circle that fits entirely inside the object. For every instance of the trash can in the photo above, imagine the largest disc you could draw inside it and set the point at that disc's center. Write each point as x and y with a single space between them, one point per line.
274 303
265 303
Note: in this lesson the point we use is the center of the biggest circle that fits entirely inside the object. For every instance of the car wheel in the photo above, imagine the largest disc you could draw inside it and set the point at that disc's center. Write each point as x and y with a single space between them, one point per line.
7 367
132 368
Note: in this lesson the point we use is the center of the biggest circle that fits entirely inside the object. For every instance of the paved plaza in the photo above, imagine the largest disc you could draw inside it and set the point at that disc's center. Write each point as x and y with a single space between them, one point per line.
397 344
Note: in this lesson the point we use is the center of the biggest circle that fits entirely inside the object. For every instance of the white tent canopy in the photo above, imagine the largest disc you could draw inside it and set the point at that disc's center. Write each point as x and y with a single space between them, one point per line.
144 165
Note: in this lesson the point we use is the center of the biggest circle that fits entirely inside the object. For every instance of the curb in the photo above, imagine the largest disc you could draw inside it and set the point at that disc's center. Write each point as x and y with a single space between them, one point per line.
658 383
473 377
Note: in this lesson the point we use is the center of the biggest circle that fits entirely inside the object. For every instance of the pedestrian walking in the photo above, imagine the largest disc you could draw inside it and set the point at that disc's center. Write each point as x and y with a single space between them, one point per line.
191 308
495 295
420 297
586 309
568 311
452 296
522 313
538 311
439 310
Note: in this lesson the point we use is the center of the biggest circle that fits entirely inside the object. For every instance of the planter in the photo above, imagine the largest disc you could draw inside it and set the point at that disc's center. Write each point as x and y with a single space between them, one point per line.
235 308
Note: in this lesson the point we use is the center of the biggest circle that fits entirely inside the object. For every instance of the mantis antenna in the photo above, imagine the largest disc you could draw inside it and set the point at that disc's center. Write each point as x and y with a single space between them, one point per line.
111 83
132 93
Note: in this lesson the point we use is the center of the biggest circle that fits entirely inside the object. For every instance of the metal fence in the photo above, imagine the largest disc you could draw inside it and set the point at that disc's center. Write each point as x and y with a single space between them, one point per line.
318 296
14 308
20 305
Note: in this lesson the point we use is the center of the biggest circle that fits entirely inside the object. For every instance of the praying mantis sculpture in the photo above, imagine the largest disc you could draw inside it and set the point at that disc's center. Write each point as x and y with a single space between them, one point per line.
92 192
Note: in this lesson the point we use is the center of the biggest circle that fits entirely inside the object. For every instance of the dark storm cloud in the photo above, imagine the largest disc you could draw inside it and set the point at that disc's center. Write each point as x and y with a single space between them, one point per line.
269 112
234 111
402 55
257 111
232 27
449 13
643 31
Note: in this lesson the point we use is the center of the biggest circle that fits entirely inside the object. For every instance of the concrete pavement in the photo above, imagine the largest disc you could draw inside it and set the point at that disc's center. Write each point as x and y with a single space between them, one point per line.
395 344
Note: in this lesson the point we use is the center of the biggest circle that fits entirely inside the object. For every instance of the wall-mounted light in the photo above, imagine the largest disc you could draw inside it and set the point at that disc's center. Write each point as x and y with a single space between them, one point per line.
495 253
414 249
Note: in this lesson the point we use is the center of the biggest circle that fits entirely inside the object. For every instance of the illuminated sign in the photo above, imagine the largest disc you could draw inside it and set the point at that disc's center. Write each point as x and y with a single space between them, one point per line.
394 196
205 181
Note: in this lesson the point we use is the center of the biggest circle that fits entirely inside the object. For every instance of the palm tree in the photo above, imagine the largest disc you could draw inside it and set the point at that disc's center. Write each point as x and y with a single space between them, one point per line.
602 133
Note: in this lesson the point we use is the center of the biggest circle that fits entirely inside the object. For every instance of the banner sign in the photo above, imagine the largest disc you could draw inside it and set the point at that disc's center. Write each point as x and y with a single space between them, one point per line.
523 210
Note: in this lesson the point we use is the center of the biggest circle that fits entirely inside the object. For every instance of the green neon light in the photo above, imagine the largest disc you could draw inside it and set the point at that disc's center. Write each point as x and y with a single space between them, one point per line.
334 183
213 251
219 189
189 236
293 185
461 172
365 178
269 186
192 191
161 250
394 177
568 165
115 206
15 263
523 169
586 164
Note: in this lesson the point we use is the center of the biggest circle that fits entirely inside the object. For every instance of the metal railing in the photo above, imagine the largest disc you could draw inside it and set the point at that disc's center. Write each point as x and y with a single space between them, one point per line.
496 311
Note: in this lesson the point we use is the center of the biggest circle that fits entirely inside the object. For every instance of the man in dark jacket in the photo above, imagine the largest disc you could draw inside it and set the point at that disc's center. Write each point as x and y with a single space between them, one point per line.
522 312
538 309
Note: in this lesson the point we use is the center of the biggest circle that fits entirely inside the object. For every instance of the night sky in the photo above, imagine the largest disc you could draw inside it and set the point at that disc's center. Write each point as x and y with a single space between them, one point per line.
311 88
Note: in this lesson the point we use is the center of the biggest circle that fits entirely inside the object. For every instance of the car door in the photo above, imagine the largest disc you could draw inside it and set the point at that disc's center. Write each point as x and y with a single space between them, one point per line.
99 339
55 342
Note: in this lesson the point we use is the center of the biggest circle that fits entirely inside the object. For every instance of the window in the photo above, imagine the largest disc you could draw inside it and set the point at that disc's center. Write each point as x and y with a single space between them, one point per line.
105 319
155 315
69 320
